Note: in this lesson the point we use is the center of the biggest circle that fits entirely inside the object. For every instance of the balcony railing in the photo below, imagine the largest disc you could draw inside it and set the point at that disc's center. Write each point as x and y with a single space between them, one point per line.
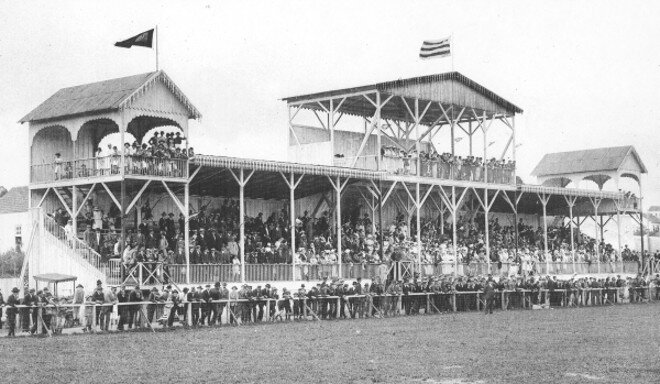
434 168
108 166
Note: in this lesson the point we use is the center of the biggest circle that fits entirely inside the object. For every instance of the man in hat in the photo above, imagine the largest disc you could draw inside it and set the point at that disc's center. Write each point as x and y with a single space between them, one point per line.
154 298
214 297
176 302
233 300
301 295
205 303
123 298
12 311
134 310
109 300
489 295
29 299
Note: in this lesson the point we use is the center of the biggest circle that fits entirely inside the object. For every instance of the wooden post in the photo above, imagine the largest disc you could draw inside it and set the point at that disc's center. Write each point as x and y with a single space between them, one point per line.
486 229
339 254
241 221
379 143
74 211
618 232
292 215
571 203
544 201
186 227
122 215
418 205
454 236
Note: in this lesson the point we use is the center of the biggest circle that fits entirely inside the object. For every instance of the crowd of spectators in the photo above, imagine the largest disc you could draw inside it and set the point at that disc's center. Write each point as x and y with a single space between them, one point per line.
156 157
448 166
214 240
120 308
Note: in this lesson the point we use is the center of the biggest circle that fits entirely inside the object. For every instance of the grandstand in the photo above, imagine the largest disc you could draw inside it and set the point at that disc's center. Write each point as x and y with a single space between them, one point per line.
375 150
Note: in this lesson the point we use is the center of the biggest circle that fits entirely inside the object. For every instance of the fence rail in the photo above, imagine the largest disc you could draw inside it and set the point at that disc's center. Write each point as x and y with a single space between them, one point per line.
94 316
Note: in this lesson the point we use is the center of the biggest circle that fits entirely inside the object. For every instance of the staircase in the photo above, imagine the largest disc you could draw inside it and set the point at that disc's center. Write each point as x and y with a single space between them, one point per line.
67 194
55 251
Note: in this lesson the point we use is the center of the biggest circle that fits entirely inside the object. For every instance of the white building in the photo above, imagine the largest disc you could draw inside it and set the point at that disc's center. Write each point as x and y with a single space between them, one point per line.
14 219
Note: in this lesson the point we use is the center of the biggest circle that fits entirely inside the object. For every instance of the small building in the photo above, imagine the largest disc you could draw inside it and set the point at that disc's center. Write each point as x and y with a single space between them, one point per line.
14 219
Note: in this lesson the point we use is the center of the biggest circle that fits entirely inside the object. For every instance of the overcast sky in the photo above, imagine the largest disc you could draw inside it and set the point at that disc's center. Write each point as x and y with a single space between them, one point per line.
586 74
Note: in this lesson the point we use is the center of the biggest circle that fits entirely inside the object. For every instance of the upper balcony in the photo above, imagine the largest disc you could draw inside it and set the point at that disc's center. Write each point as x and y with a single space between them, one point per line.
70 130
107 167
394 127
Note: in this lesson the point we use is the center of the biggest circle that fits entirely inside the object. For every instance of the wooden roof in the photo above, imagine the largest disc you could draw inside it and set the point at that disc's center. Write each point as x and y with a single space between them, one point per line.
589 161
450 89
54 277
14 201
104 96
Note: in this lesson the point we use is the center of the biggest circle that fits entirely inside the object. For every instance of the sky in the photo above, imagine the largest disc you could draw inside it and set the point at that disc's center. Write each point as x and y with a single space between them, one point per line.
586 74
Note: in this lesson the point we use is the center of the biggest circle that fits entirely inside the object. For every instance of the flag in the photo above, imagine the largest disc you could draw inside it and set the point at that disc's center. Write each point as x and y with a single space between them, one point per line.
435 48
144 39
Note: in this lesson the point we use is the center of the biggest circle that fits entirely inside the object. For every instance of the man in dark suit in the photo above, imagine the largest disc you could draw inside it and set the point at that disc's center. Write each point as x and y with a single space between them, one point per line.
202 239
213 239
29 298
206 305
12 311
214 295
489 295
88 237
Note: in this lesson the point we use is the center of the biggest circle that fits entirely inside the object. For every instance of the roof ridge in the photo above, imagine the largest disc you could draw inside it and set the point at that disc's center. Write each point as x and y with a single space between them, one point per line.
106 80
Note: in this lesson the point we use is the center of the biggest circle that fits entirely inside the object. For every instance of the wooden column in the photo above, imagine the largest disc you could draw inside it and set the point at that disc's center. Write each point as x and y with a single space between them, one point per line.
454 223
292 184
418 205
74 209
487 230
242 180
544 201
186 229
571 203
241 221
339 250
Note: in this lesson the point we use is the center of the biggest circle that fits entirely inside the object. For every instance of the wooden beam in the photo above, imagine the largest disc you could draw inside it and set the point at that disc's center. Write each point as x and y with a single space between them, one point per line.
112 196
82 204
43 198
66 206
137 197
174 198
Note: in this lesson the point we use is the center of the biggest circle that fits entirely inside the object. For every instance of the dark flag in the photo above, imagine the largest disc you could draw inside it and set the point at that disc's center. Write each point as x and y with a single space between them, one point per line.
144 39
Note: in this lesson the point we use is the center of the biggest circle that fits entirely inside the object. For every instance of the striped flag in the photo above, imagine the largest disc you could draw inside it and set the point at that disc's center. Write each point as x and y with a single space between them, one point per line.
435 48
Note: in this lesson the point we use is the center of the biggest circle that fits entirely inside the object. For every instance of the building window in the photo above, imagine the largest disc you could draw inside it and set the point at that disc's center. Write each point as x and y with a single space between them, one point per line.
18 230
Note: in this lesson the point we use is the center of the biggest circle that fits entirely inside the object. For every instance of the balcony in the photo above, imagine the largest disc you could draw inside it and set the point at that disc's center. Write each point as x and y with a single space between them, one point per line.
436 168
108 166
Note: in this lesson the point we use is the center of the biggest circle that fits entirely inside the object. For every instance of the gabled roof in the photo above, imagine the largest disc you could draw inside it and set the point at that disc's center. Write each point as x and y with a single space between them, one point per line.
103 96
413 81
14 201
584 161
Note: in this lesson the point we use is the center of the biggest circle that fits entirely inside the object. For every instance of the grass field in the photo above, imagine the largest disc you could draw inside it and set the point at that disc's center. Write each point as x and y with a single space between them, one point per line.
601 345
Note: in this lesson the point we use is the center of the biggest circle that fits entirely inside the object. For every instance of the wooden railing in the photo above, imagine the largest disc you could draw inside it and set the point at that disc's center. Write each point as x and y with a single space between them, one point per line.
109 166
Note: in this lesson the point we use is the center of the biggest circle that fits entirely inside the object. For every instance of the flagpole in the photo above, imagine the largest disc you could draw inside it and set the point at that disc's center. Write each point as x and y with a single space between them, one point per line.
156 33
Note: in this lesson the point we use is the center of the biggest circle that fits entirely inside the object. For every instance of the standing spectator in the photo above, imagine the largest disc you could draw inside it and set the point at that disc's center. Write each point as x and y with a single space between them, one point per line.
489 295
134 310
109 300
12 311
